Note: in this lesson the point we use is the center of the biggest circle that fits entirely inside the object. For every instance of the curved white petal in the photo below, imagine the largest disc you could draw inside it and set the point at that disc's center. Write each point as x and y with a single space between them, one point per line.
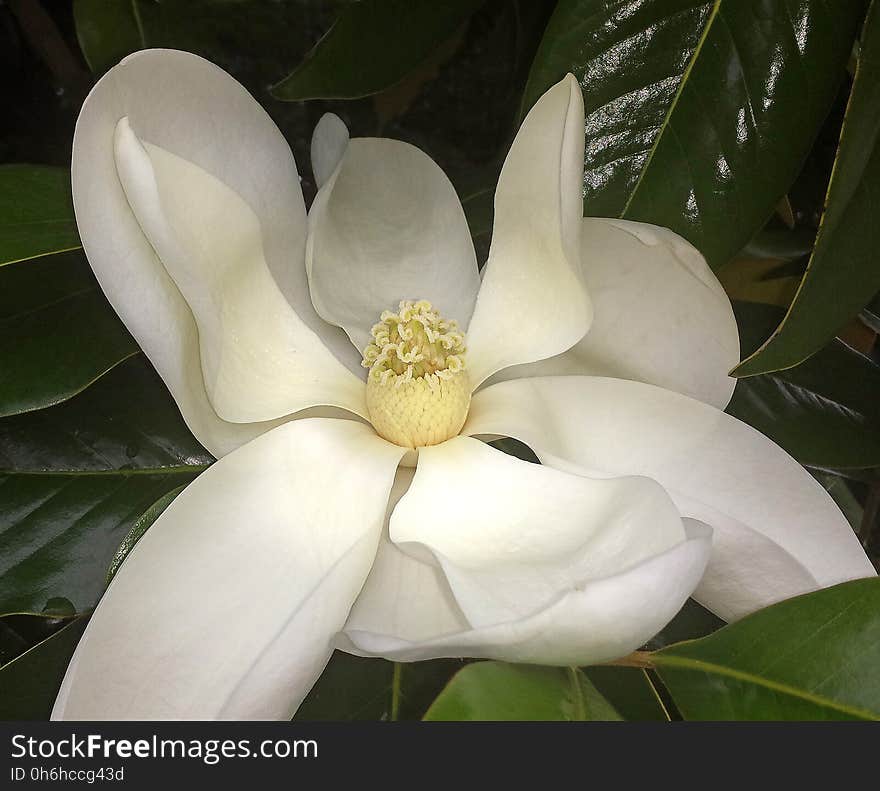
512 536
388 226
225 609
329 141
717 469
660 315
403 596
260 361
596 622
190 107
533 303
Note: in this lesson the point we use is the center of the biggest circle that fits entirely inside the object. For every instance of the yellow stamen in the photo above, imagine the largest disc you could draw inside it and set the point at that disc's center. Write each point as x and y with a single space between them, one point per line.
418 391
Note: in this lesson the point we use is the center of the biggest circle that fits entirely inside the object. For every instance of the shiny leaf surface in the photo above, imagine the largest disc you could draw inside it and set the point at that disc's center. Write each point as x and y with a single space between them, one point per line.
843 274
699 114
58 334
498 691
74 479
36 212
824 412
814 657
372 45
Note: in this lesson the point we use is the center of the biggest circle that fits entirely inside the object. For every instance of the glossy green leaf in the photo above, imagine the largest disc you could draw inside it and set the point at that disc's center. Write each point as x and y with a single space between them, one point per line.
814 657
843 274
74 479
141 525
498 691
36 212
824 412
358 688
372 45
30 683
699 112
58 333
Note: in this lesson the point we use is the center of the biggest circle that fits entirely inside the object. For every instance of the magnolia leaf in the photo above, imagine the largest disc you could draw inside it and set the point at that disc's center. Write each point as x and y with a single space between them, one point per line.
359 688
843 274
58 333
36 212
372 45
74 479
824 412
699 113
30 682
813 657
500 691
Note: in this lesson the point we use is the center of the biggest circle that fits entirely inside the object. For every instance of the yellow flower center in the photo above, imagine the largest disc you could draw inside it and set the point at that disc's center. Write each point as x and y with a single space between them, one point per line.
418 391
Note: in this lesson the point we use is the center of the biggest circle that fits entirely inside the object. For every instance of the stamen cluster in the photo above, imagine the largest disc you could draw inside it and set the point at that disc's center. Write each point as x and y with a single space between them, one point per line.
416 342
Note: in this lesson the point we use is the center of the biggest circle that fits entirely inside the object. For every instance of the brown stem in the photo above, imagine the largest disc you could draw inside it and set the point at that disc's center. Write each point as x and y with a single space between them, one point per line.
46 40
639 659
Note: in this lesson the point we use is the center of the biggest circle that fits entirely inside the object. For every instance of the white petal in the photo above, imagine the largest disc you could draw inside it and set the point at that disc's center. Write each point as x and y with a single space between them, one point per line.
403 596
189 106
718 470
660 315
388 226
329 141
599 621
511 536
260 361
225 609
533 303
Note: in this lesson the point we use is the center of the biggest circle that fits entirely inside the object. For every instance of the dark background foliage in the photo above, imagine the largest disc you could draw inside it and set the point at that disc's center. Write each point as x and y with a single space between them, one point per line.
92 447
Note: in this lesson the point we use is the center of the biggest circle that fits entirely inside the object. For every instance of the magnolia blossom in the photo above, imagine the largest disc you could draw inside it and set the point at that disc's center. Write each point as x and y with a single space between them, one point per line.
347 368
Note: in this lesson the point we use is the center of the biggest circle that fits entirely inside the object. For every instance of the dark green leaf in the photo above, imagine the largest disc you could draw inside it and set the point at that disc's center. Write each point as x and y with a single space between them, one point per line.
814 657
843 274
699 113
824 412
36 213
108 31
372 45
29 684
357 688
74 479
691 622
58 334
631 691
499 691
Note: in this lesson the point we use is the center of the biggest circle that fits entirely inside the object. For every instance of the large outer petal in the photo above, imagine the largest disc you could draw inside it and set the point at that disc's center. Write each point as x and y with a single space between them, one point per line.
225 609
386 226
660 315
190 107
533 303
511 536
596 622
776 529
260 361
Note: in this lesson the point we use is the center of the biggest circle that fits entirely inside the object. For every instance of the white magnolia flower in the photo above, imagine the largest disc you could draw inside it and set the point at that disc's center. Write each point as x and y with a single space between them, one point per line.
320 527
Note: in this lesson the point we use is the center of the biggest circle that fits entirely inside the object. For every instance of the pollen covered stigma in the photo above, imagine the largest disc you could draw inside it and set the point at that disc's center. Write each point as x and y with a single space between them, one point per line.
418 389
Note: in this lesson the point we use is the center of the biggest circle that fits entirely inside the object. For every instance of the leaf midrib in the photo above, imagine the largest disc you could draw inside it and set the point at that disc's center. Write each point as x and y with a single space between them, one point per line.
667 118
686 663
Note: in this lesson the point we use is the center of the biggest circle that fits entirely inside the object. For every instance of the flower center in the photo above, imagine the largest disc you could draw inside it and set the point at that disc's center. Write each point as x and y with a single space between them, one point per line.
418 391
